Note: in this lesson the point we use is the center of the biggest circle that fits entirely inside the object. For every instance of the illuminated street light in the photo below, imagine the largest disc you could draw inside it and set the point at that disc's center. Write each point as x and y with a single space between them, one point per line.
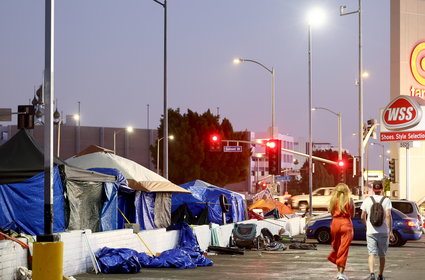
273 132
339 129
315 17
360 85
129 129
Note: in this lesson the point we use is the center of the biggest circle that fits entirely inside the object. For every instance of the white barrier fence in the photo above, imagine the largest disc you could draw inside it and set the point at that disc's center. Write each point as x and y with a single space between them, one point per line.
76 257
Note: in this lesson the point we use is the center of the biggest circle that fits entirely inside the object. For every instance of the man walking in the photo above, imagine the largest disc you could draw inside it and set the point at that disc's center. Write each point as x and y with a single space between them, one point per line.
378 223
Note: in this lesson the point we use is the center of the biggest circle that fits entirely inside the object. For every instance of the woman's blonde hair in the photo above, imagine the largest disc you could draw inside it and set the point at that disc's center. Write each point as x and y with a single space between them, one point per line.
341 195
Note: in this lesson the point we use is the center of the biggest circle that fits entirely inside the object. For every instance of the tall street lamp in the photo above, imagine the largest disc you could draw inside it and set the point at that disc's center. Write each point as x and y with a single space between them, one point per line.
129 129
273 132
171 137
360 85
165 128
314 18
339 129
383 156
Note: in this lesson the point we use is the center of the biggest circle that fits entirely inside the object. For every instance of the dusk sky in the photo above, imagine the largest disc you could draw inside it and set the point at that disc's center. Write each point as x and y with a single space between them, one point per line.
109 56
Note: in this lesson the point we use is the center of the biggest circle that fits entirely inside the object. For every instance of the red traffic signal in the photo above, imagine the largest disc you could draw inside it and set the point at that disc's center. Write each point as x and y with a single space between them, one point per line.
341 163
215 143
273 152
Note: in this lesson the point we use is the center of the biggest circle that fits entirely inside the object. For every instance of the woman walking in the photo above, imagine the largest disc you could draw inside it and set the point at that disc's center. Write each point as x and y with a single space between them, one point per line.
341 206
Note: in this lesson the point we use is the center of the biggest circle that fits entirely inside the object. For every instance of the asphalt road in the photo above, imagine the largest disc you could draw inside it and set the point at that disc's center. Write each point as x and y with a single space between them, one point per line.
404 263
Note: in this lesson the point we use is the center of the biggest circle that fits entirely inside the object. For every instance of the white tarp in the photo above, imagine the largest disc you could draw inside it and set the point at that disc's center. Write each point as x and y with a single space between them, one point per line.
139 177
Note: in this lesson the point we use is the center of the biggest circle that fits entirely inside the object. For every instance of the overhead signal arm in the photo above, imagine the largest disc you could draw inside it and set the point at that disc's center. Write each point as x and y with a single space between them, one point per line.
369 133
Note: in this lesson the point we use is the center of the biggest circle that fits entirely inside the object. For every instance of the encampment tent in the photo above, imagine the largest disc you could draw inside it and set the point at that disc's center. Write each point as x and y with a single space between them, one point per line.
268 205
205 195
153 192
22 189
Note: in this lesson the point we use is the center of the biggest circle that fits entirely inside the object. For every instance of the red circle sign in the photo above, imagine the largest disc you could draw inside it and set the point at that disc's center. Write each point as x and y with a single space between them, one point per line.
403 112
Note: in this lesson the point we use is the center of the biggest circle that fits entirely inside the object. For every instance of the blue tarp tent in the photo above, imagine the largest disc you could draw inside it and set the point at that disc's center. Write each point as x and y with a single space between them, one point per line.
202 193
22 204
115 196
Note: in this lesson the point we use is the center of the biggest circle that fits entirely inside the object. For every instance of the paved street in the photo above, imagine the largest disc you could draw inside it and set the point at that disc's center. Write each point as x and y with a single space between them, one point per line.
402 263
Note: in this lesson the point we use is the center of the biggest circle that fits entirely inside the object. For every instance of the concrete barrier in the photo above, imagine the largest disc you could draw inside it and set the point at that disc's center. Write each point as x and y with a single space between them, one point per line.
76 252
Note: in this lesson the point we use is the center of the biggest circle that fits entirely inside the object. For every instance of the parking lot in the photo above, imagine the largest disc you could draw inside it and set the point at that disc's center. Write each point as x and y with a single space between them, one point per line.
402 263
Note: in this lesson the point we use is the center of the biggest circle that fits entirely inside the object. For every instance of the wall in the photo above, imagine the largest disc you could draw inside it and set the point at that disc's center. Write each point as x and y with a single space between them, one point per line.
407 30
76 250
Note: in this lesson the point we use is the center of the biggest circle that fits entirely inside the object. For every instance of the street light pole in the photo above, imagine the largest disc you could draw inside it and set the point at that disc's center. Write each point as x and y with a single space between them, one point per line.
310 126
339 129
360 85
383 156
315 17
165 127
128 129
171 137
273 132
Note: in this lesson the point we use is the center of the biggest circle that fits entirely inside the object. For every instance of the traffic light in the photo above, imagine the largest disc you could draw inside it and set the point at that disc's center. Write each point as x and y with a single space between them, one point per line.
341 169
26 116
215 143
274 152
370 123
391 170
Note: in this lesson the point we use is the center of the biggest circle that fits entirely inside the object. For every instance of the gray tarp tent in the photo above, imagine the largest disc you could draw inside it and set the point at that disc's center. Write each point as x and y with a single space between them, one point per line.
21 158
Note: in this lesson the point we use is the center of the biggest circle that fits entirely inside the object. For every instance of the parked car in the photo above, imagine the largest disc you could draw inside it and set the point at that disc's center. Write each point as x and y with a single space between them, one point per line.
410 208
404 227
320 199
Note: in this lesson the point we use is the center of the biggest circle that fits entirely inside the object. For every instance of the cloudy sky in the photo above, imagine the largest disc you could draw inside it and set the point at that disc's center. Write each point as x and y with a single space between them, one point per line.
109 57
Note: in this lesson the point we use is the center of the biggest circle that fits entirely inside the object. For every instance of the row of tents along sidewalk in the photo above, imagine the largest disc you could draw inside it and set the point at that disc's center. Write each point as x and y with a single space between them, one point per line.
91 188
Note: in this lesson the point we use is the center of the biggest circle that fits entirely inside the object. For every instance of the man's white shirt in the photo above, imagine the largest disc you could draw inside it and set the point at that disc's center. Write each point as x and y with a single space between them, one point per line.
367 205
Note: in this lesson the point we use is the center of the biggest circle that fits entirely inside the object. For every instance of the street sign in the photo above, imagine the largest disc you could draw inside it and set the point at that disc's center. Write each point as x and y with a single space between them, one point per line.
282 178
232 149
5 114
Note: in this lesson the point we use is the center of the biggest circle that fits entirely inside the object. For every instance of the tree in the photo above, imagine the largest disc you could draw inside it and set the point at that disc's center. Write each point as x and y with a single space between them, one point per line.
189 157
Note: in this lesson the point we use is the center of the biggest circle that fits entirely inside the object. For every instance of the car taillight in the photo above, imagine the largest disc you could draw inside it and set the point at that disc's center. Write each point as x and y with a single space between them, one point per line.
411 224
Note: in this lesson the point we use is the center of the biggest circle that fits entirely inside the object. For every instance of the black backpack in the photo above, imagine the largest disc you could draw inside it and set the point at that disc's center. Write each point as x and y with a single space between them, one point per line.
377 212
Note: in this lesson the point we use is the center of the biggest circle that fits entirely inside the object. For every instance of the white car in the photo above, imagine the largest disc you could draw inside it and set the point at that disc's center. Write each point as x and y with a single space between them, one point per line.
320 199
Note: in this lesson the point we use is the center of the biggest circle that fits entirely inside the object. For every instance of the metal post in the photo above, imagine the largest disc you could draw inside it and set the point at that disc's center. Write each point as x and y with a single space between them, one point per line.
59 138
310 127
157 154
360 85
165 127
273 132
367 163
115 142
48 124
361 148
407 172
165 95
78 135
147 119
339 136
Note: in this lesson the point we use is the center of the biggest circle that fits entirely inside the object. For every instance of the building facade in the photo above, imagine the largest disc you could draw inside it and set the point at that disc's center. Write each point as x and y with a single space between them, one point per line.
407 78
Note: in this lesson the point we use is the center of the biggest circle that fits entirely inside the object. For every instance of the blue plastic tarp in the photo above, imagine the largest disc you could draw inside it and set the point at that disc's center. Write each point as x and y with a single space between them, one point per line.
204 192
110 219
186 255
22 205
145 209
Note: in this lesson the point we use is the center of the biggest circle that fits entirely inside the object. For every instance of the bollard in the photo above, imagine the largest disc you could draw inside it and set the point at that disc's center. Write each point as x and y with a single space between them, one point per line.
47 261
